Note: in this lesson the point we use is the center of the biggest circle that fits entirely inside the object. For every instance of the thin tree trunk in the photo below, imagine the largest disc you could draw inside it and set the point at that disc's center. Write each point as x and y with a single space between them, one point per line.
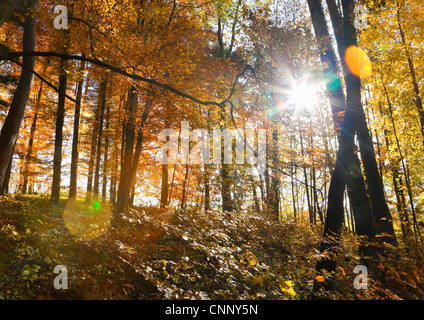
28 157
227 203
164 187
173 174
185 182
292 174
417 94
164 190
93 148
58 140
75 136
305 177
99 139
106 156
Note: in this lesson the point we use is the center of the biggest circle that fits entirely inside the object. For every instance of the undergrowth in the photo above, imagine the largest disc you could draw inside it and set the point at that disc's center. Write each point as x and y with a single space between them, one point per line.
149 253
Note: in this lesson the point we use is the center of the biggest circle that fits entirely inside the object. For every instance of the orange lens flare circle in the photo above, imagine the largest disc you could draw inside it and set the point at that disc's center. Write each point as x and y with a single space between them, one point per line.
358 62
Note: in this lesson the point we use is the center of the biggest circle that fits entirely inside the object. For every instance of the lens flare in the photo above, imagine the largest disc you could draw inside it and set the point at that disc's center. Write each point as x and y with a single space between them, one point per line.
358 62
86 221
332 81
303 95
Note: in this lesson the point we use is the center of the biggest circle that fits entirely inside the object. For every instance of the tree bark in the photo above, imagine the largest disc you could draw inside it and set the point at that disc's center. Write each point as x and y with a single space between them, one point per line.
380 209
75 137
93 148
6 9
126 176
28 157
347 169
99 139
10 129
106 155
58 140
417 94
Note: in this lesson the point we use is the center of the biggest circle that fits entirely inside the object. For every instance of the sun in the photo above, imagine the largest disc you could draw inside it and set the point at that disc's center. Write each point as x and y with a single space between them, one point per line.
304 95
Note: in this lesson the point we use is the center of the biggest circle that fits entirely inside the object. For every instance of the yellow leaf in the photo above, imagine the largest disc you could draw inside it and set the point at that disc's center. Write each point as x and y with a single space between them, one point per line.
253 261
320 279
291 292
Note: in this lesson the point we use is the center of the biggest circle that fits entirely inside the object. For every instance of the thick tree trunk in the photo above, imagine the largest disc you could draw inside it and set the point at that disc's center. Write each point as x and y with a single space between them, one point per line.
131 159
10 129
6 9
347 169
126 175
380 209
5 186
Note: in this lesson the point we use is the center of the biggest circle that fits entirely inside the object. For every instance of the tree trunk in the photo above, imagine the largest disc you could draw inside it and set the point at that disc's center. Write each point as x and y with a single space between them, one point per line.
93 148
305 176
28 157
5 186
6 9
99 139
58 140
380 209
347 169
185 183
75 137
131 159
227 202
164 187
164 190
105 157
126 176
417 94
10 129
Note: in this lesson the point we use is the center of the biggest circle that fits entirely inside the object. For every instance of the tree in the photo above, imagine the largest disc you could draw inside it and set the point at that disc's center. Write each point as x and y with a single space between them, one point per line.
6 9
10 129
75 136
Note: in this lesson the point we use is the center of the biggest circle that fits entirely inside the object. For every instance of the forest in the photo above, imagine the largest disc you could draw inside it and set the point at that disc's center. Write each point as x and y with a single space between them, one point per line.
211 149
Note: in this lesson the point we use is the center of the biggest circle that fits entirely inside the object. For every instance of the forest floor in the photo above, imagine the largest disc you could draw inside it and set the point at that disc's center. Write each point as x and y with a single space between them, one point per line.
166 254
